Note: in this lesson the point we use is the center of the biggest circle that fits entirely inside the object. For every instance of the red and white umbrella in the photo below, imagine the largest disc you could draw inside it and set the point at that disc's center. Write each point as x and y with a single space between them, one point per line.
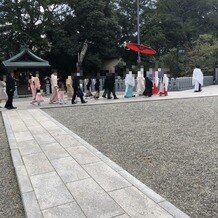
143 49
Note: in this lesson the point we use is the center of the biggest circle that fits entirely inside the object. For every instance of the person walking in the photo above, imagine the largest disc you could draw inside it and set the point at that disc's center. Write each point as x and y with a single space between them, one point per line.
105 87
39 97
77 91
97 88
197 79
61 91
130 84
54 87
88 87
31 87
148 87
114 86
69 87
140 87
10 88
3 94
110 86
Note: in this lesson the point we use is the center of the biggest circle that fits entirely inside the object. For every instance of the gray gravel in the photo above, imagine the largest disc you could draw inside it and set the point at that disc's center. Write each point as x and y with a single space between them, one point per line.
170 145
10 199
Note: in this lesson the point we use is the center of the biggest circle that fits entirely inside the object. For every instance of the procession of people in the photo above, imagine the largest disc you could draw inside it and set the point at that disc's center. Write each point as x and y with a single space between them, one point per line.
143 86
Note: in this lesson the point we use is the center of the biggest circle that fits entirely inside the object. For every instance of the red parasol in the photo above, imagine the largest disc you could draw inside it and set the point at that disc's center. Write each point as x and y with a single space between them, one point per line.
143 49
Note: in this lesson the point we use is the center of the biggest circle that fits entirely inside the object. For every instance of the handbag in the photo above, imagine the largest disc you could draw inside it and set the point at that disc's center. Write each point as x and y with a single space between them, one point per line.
79 93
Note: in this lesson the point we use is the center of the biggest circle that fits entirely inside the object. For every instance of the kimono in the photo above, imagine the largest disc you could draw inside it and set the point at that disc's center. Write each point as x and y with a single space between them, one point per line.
164 86
197 79
130 84
69 87
54 87
32 87
39 97
140 84
3 94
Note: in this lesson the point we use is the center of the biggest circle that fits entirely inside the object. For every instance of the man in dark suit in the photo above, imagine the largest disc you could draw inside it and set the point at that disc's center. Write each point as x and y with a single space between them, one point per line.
109 86
10 88
148 87
77 91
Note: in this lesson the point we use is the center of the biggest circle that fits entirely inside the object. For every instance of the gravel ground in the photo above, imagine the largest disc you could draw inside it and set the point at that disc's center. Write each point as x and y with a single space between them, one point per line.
10 199
169 145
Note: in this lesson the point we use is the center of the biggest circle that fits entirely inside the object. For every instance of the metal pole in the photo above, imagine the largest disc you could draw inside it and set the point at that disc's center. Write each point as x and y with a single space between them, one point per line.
138 32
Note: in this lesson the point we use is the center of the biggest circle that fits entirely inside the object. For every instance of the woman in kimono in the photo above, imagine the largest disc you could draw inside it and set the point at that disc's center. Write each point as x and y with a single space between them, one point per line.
3 94
130 83
140 88
54 88
39 97
32 87
61 91
69 86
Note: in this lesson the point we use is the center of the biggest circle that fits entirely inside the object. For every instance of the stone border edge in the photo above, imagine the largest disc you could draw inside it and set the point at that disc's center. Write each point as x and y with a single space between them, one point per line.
125 101
166 205
30 204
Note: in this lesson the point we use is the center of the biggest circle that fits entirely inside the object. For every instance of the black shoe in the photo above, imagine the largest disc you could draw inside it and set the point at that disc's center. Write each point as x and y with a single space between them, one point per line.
13 107
73 102
103 96
116 98
84 102
195 91
109 98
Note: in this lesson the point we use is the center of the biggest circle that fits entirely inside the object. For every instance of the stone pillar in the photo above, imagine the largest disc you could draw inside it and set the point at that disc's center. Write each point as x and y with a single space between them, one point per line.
216 75
47 87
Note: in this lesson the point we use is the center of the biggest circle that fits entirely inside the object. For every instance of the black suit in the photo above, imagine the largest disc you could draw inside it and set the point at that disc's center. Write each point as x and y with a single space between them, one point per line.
10 88
76 88
148 87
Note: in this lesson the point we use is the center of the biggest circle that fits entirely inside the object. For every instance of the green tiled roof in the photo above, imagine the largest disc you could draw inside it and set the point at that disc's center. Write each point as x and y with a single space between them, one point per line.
14 62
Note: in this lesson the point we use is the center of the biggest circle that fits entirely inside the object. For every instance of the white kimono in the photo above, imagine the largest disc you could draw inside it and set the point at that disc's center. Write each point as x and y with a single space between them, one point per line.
140 84
130 83
197 78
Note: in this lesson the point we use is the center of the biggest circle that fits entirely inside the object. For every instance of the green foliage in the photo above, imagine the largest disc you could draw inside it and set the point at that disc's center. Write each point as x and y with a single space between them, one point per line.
57 29
204 52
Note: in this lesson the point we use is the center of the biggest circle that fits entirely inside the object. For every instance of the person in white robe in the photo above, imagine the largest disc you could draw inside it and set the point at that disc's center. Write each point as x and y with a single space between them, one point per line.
163 90
3 94
54 88
155 89
197 79
130 84
140 83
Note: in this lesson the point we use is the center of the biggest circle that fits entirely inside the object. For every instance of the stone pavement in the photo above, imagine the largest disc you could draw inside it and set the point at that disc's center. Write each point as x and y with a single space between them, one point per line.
61 175
208 91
